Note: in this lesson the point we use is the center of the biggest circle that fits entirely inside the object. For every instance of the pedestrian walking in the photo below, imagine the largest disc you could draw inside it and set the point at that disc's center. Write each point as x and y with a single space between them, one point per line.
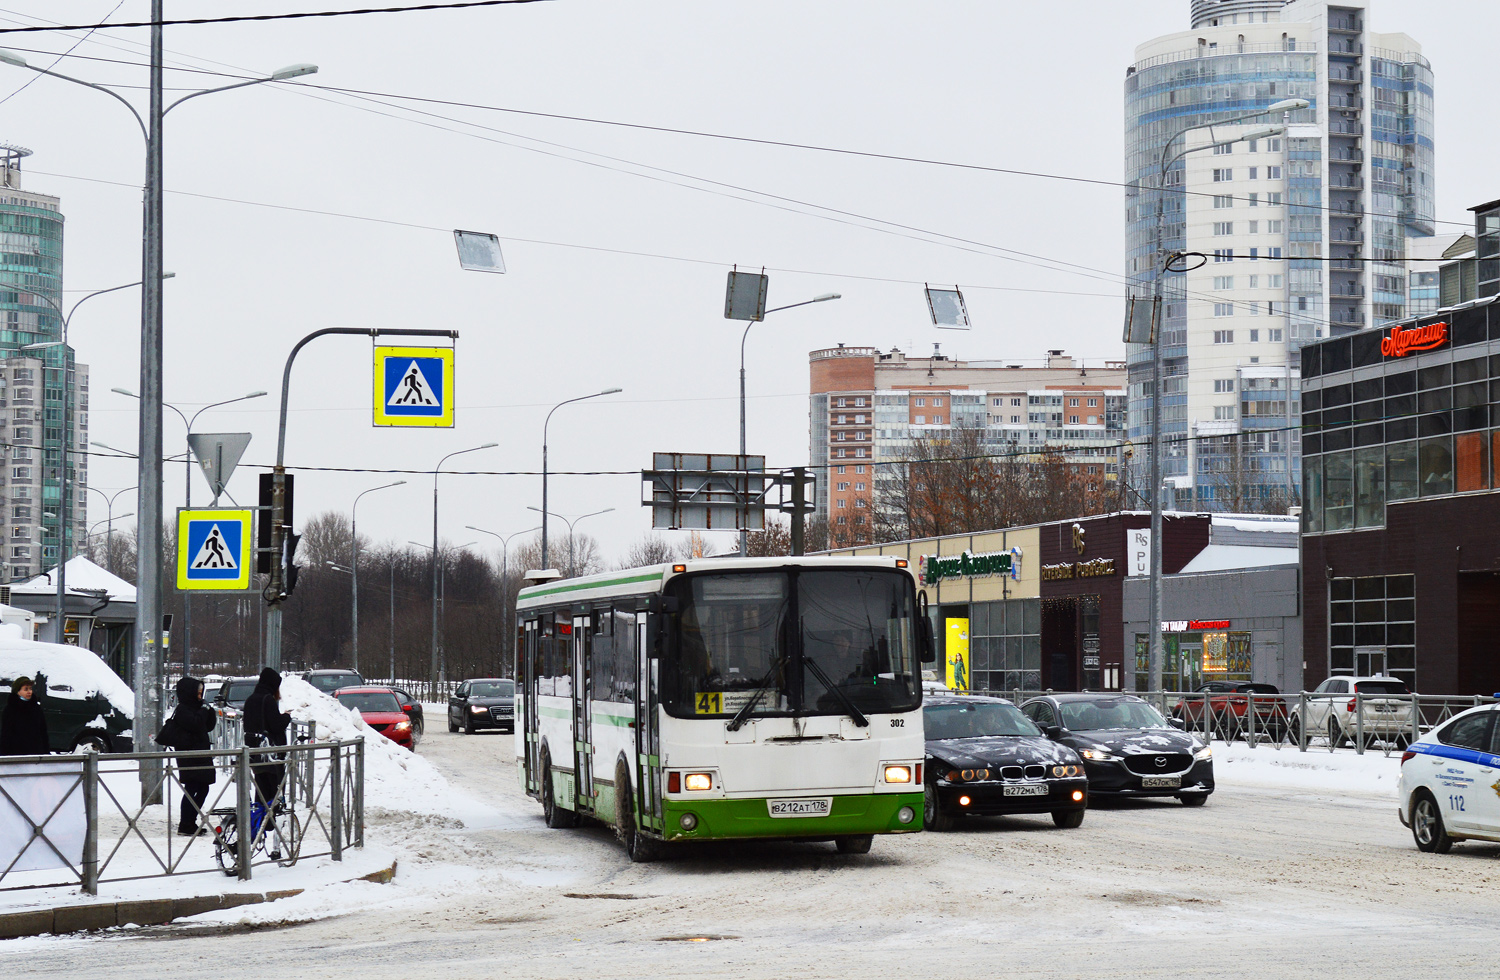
23 727
266 725
188 731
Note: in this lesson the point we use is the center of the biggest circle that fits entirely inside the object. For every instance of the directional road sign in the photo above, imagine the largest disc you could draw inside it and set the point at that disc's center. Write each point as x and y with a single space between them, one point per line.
214 549
414 386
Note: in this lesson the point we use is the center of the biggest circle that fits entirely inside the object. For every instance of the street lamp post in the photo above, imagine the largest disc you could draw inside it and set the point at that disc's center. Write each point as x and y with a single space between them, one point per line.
354 571
439 666
543 508
572 561
744 532
440 570
109 537
148 668
187 500
1153 604
504 575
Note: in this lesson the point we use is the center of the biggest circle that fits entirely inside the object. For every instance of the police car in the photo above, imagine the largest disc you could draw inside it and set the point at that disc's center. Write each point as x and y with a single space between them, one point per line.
1449 786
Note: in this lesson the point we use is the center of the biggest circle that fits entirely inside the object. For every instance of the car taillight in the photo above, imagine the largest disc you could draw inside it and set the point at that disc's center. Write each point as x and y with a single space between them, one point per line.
674 782
1408 754
1350 705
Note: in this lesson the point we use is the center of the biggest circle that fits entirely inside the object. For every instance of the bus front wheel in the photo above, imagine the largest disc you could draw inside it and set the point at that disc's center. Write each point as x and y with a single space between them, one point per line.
642 849
859 844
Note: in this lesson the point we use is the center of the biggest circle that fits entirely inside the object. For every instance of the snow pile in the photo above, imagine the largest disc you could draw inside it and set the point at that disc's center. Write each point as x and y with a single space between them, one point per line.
71 672
1316 770
395 778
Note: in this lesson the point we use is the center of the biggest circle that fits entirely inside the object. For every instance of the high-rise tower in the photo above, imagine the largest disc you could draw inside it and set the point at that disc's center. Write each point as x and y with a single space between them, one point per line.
37 374
1302 236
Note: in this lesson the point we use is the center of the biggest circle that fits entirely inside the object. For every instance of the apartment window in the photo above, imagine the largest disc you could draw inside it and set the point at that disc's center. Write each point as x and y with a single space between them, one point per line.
1072 420
1273 146
1255 200
1274 282
1093 403
1015 402
937 403
1255 282
1223 384
1254 254
858 469
1223 200
1274 252
1227 282
1254 172
859 403
843 519
860 487
843 486
843 403
860 452
840 453
1273 173
860 502
1273 198
1223 336
997 402
922 402
937 420
1226 173
921 420
1072 403
1223 255
1254 336
1222 412
1223 309
842 503
1301 303
840 470
859 519
1271 308
1015 419
1275 227
1253 147
1254 309
1223 227
1220 149
1255 227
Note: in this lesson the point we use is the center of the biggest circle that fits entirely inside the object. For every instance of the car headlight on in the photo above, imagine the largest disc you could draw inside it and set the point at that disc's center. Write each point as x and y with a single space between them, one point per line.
698 782
1099 755
1067 772
1206 752
898 774
478 709
403 726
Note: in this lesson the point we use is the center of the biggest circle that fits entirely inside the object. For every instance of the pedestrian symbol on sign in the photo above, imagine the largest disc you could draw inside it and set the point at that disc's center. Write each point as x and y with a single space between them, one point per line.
214 553
414 386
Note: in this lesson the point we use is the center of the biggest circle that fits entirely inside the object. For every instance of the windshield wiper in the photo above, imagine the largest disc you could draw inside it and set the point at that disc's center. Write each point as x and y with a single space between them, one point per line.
744 713
854 712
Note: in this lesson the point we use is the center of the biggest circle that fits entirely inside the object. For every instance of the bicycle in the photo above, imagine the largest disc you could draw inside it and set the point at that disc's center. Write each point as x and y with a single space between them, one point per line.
281 840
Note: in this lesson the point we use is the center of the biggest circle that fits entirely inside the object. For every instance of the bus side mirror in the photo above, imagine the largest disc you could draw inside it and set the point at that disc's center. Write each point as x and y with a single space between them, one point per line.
929 644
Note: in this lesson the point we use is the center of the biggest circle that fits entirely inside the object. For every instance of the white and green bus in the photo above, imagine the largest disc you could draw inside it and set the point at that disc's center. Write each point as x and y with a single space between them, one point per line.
724 699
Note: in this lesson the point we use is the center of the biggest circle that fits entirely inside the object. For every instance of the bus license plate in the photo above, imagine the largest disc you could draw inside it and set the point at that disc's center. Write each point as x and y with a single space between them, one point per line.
1161 782
801 808
1025 791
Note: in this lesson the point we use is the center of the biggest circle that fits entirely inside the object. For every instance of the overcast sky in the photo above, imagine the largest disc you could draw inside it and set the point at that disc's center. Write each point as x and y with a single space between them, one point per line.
1033 87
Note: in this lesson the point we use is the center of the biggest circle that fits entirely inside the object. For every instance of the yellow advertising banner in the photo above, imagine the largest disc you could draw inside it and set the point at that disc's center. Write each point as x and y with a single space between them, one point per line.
957 657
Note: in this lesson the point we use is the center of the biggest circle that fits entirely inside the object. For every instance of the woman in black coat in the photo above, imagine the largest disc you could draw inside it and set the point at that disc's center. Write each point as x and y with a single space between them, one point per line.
266 724
187 731
23 727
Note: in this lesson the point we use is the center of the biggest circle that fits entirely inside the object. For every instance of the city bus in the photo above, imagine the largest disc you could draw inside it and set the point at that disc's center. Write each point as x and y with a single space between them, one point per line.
726 699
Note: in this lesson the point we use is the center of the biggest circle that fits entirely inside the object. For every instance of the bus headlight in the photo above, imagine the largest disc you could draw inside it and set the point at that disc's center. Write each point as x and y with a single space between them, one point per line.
898 774
698 782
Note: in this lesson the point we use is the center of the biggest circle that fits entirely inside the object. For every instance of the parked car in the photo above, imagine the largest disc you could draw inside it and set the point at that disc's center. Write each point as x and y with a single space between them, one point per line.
1128 748
329 681
381 710
1447 788
413 709
1385 704
1222 708
985 757
233 691
86 704
483 702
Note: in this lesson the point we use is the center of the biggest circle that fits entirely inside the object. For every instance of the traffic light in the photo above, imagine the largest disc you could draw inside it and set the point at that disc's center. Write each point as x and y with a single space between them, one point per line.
289 564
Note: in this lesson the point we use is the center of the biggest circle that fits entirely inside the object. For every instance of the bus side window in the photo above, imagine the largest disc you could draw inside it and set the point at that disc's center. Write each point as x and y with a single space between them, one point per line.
602 656
625 656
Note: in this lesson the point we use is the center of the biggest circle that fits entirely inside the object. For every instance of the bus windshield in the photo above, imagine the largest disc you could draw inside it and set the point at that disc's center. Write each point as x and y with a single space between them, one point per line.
805 641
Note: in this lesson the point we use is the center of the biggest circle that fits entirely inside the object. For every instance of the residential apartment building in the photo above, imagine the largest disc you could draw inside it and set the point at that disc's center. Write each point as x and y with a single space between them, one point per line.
1302 235
1474 272
868 407
38 376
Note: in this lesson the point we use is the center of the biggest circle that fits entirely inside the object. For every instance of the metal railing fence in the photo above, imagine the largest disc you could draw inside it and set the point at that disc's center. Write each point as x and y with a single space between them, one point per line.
1308 720
317 801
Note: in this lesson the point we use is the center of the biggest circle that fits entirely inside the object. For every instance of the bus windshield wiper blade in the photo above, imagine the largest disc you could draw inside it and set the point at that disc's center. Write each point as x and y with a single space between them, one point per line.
738 720
854 712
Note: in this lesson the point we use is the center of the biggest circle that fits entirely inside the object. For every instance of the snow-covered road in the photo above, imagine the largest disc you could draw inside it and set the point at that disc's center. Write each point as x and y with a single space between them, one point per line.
1275 877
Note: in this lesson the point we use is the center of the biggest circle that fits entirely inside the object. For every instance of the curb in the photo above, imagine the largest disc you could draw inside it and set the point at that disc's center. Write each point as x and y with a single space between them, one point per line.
145 912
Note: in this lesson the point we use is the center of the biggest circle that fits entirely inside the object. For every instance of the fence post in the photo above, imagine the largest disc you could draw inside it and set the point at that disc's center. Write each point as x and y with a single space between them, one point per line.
1302 721
359 792
90 867
244 837
1416 710
336 802
1250 710
1359 723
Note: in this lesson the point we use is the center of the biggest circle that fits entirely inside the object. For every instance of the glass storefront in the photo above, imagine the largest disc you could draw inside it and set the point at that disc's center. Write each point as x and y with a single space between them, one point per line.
1192 657
1006 645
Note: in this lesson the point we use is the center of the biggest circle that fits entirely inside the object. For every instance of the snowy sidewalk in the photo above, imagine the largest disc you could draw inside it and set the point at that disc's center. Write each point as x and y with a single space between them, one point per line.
1373 774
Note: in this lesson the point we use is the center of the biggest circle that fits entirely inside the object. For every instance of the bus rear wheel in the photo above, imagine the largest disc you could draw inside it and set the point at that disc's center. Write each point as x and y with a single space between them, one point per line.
555 816
858 844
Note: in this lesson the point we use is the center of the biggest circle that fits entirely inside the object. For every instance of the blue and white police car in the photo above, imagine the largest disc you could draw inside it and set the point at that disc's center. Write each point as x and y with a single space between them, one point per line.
1449 786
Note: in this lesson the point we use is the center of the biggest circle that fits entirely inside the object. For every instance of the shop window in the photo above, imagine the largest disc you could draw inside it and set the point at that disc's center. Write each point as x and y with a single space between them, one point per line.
1372 627
1401 482
1338 491
1435 465
1472 461
1312 494
1369 487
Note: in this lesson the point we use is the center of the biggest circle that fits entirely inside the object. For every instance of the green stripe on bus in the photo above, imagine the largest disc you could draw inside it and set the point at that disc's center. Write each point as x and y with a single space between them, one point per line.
608 583
619 721
547 712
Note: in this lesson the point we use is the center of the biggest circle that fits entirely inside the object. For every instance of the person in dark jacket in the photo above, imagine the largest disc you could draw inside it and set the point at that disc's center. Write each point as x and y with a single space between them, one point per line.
266 725
188 730
23 727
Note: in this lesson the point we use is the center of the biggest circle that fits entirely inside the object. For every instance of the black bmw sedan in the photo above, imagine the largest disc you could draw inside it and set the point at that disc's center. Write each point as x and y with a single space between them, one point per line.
483 702
1127 746
984 757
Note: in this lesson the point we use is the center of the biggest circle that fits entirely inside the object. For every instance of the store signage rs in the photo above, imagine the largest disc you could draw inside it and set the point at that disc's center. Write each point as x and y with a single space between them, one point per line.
1400 342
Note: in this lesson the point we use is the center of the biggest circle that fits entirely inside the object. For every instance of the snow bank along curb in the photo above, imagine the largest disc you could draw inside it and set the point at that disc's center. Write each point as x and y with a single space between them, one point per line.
146 912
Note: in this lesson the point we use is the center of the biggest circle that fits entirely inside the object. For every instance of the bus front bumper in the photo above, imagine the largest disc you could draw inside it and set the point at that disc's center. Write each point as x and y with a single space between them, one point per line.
731 819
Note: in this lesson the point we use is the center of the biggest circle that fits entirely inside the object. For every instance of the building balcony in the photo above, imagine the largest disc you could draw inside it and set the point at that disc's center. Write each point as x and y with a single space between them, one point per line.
1346 291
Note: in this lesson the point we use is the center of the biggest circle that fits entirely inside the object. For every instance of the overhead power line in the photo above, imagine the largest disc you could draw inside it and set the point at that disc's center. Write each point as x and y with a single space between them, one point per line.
293 15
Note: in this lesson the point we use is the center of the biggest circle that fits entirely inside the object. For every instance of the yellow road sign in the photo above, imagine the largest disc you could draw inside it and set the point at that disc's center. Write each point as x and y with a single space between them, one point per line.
414 386
215 549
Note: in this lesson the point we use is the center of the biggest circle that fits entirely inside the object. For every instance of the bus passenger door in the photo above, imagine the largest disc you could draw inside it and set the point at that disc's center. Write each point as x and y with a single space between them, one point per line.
647 740
583 734
531 654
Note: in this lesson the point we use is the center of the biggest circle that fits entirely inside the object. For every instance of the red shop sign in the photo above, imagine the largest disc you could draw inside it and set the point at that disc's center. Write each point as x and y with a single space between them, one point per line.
1399 342
1207 624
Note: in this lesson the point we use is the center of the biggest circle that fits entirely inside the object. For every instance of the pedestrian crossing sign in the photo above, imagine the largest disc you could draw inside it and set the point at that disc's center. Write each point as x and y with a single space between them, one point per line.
214 549
414 386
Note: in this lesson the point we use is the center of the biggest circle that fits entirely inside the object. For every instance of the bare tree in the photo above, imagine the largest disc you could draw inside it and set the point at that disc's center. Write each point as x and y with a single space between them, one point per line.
653 549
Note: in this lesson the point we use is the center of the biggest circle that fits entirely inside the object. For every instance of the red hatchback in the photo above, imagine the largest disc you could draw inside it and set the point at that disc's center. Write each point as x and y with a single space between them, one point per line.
381 710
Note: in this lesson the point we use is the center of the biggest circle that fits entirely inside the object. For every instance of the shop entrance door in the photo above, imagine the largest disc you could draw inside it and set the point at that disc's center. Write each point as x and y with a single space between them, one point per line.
1369 661
1190 663
1060 653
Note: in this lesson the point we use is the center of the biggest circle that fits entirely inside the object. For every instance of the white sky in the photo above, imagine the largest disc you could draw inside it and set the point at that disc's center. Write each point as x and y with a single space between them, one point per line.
1036 87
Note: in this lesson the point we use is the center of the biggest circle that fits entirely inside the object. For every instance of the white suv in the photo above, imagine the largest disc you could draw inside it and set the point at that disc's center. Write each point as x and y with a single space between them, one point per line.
1449 786
1385 703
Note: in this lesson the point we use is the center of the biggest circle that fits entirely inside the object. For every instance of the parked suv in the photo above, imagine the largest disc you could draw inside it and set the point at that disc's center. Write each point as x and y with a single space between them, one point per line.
1227 704
329 681
1385 706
